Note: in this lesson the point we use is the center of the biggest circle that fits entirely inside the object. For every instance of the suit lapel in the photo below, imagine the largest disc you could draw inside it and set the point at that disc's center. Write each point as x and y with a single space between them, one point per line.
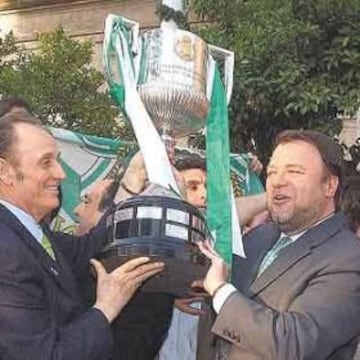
55 269
256 244
296 251
64 276
287 258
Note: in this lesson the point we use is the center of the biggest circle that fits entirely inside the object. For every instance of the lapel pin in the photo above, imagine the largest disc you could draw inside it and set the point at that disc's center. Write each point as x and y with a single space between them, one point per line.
54 271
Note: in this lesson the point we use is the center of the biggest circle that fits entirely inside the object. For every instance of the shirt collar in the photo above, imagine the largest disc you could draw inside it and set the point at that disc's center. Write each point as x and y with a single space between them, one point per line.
26 219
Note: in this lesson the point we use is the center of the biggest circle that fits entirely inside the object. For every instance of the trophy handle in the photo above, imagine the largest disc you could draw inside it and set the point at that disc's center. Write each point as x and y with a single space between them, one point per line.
132 28
225 59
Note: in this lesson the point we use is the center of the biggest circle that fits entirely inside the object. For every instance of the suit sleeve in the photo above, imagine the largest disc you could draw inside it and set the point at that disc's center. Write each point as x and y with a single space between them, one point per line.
29 326
322 318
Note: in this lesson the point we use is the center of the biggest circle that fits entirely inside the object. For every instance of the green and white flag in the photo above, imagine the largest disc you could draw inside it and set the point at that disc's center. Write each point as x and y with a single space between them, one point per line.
86 160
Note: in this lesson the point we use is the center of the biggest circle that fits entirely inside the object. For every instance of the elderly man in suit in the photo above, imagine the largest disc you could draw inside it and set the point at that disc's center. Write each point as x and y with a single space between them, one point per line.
41 313
297 293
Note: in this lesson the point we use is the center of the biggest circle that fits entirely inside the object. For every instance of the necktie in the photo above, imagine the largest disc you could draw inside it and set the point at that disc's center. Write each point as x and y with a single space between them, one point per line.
273 253
46 244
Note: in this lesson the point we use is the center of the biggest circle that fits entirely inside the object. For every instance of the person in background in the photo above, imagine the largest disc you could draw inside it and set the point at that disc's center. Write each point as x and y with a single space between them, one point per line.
41 313
297 294
93 204
350 204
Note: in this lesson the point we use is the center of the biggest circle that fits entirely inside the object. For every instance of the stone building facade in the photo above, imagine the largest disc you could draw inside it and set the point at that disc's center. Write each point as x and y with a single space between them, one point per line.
81 19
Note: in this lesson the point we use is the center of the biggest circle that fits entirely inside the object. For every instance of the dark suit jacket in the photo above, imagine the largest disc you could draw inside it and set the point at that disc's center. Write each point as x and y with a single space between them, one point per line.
142 326
42 316
305 305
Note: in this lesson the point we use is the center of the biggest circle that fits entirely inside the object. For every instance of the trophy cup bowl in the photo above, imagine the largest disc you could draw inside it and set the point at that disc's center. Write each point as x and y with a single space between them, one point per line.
172 82
166 229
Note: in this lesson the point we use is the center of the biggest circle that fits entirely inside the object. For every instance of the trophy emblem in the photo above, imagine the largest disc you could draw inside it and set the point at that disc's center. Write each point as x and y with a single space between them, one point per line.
164 87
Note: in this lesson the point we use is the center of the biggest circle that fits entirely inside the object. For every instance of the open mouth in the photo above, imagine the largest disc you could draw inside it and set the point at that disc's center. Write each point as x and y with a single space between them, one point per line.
52 188
280 199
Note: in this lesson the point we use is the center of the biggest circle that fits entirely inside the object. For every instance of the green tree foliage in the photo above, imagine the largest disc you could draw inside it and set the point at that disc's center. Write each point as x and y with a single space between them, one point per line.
7 49
297 63
58 81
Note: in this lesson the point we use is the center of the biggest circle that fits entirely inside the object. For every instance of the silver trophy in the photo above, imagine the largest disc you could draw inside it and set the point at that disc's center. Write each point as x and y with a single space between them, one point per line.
172 81
165 76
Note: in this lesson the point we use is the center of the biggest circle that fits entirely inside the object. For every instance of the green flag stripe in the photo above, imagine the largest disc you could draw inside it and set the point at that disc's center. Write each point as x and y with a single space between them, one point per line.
218 170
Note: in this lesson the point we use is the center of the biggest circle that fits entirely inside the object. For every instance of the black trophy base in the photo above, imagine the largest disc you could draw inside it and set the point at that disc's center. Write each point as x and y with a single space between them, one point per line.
184 263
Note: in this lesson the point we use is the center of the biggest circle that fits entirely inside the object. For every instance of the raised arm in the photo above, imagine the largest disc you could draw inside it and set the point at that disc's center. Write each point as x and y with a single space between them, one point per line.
248 206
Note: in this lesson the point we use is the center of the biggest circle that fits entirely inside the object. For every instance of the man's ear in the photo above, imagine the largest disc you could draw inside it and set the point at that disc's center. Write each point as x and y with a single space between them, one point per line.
6 172
332 185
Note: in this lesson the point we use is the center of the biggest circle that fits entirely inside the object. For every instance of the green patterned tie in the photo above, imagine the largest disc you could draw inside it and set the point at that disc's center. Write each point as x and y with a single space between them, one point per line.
46 244
273 253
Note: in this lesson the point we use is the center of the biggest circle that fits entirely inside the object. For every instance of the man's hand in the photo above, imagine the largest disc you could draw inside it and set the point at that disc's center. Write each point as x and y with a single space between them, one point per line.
184 305
218 272
134 179
115 289
255 164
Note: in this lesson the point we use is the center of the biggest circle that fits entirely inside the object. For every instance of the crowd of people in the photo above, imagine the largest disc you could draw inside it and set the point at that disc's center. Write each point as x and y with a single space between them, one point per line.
296 295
